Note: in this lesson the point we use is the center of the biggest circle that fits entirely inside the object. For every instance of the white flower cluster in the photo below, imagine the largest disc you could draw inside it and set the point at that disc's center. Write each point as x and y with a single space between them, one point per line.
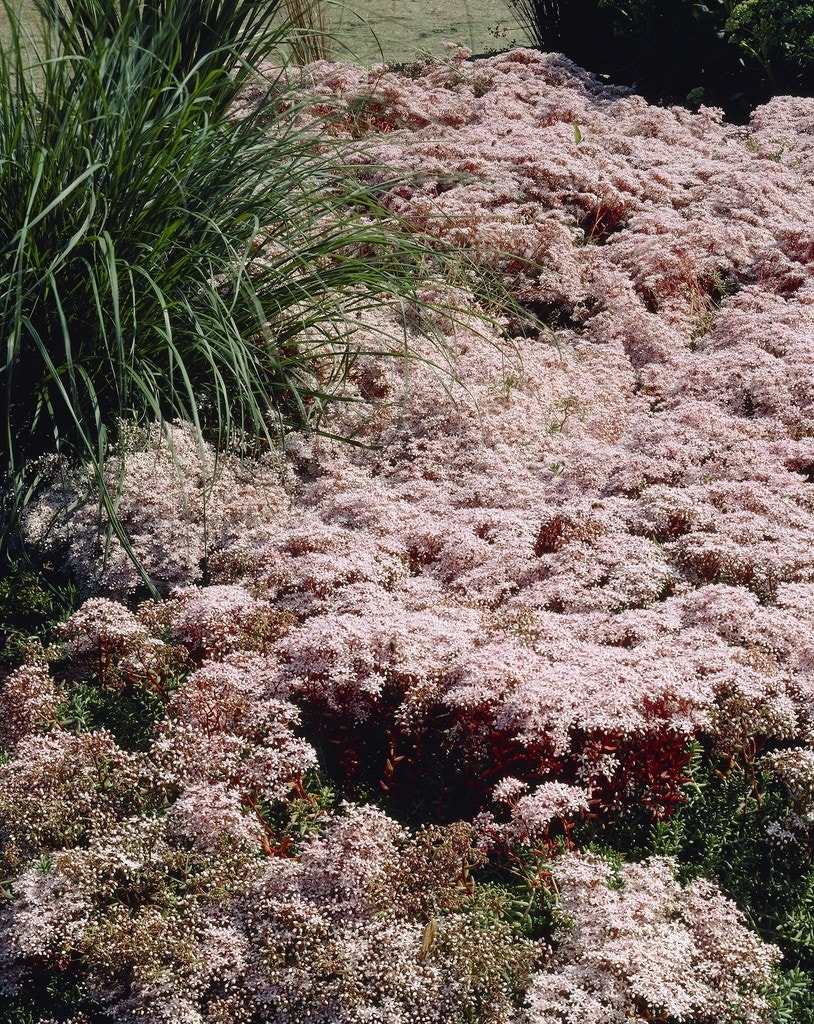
531 813
795 767
636 946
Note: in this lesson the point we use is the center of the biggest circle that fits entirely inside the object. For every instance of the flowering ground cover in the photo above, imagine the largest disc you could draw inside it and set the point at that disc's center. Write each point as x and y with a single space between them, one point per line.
504 713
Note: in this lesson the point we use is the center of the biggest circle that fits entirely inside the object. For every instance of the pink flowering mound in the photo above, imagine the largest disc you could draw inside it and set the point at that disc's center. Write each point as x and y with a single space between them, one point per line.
503 614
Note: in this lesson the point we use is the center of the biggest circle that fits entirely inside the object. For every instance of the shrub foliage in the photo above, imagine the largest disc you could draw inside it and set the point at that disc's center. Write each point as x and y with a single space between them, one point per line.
733 53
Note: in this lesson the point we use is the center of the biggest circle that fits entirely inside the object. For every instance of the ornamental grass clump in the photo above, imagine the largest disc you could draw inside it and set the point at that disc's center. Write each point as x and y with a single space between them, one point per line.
163 257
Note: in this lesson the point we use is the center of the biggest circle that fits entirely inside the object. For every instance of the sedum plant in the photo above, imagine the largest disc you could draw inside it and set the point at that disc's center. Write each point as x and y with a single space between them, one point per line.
570 713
